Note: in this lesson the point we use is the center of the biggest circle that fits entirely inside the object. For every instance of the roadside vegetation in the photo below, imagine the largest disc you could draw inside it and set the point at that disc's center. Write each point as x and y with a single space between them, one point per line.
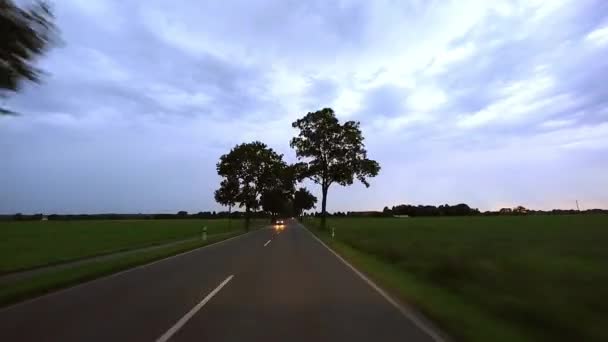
31 244
506 278
46 282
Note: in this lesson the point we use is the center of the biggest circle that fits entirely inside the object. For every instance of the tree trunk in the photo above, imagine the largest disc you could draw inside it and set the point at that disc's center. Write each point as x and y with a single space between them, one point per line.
324 206
229 220
247 217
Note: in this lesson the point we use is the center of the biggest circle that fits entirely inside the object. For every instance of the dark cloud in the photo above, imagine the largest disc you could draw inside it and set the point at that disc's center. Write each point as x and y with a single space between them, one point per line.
321 90
146 62
144 97
386 101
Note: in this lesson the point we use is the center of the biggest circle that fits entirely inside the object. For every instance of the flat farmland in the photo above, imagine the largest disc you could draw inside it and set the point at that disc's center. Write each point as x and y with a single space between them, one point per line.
30 244
499 278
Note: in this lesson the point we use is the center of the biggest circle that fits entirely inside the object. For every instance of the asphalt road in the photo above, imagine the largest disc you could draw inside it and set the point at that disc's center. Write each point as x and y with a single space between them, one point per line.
244 289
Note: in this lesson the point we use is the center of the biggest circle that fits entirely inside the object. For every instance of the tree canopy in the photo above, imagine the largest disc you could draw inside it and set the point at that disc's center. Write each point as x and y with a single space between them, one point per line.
275 201
277 198
249 170
26 34
303 200
333 152
227 194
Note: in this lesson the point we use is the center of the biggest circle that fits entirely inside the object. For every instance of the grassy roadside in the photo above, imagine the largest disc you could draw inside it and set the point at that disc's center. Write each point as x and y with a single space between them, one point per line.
537 278
54 280
33 244
462 322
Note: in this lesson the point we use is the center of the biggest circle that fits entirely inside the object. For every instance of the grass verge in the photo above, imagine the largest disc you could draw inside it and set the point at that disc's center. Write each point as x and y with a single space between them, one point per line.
47 282
33 244
462 322
536 278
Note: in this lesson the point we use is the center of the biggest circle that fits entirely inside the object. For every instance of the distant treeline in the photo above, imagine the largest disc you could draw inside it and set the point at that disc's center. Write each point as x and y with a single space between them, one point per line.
408 210
411 210
177 216
402 210
431 210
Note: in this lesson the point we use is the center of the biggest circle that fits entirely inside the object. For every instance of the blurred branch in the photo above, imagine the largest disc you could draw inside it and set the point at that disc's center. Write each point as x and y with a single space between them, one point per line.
25 34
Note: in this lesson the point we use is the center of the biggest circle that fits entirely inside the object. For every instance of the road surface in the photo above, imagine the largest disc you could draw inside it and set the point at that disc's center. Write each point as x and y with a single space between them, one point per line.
261 286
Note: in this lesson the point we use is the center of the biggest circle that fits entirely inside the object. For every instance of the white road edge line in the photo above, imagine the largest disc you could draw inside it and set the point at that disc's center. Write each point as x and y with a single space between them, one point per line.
404 311
267 242
166 336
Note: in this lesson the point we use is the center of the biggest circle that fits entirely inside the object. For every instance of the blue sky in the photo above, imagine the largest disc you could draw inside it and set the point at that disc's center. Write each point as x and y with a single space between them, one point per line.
492 103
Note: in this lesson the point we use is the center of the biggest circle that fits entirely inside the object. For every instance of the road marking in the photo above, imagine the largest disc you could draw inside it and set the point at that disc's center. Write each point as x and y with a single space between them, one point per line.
267 242
166 336
120 273
404 311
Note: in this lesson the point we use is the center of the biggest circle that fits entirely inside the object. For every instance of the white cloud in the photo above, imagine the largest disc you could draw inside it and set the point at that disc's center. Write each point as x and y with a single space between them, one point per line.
385 125
348 102
578 138
426 99
519 99
598 37
284 83
445 58
558 123
544 8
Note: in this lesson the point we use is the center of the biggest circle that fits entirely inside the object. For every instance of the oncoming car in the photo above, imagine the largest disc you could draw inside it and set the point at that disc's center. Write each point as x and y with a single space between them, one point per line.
278 223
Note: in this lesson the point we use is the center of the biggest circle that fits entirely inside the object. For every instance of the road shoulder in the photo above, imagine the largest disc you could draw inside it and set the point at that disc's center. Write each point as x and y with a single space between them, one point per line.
407 310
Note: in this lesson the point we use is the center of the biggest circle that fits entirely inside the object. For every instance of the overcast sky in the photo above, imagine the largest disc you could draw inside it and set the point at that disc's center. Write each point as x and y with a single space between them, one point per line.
491 103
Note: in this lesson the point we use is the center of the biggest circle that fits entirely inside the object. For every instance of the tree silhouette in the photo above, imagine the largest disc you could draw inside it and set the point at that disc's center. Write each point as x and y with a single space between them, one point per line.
274 201
303 200
251 169
334 152
227 195
278 196
25 34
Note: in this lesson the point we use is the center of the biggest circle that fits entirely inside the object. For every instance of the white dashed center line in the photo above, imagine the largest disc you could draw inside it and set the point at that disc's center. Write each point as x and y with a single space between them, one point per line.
166 336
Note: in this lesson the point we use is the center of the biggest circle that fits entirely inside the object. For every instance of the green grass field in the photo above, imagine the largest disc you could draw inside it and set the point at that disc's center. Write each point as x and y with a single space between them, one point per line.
30 244
56 279
535 278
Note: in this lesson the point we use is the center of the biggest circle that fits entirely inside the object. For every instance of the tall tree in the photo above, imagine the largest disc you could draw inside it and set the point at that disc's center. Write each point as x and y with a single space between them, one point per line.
303 200
277 198
227 195
274 201
334 152
255 168
26 34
